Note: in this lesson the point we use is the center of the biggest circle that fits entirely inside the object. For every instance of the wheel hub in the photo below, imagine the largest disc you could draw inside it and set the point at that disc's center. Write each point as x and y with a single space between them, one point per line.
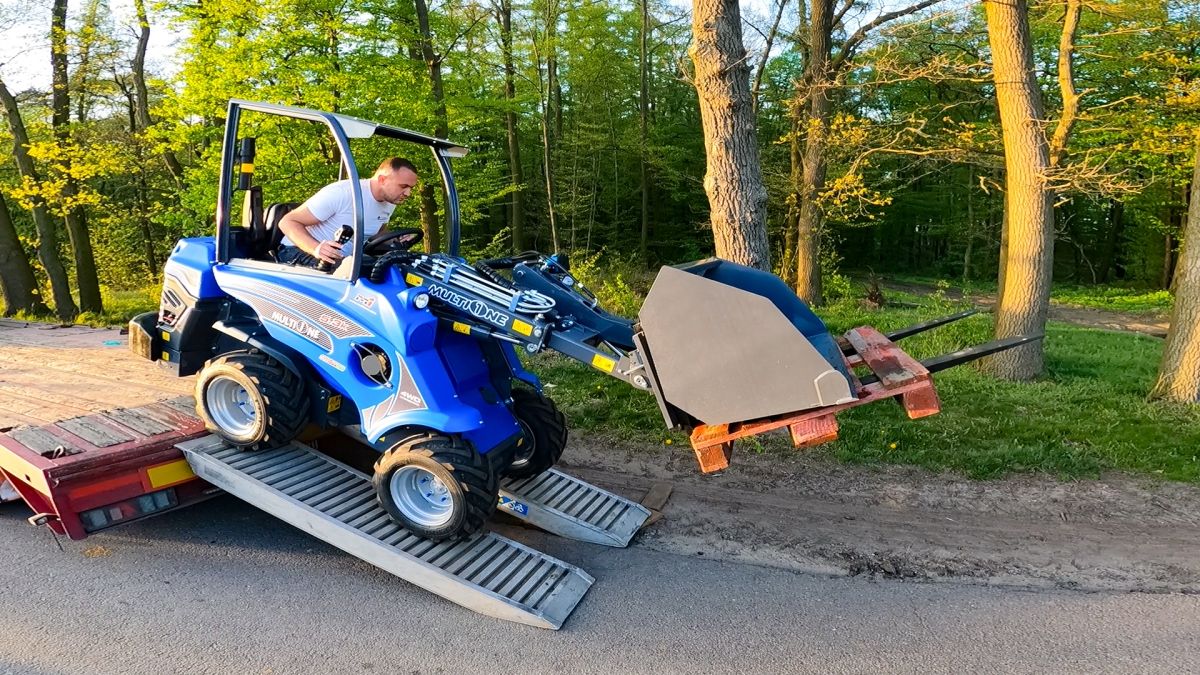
421 496
524 450
230 406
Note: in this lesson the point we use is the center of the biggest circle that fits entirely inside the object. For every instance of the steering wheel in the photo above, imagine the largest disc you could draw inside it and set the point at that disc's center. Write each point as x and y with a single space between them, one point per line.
400 239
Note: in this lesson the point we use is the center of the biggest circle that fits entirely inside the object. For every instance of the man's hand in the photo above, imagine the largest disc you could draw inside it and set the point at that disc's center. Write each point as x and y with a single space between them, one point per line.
329 251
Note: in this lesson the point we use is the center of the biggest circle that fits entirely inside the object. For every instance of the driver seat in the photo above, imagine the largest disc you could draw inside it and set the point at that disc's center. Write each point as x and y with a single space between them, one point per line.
267 241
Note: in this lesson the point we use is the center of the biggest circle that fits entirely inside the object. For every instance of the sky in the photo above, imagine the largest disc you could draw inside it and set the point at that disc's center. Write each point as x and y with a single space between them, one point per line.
25 48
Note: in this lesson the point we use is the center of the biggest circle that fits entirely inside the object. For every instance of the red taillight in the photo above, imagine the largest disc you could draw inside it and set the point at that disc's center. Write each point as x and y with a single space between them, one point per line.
119 512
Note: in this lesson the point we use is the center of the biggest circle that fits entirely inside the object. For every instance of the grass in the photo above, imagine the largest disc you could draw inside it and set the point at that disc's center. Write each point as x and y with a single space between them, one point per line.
1115 298
119 307
1088 413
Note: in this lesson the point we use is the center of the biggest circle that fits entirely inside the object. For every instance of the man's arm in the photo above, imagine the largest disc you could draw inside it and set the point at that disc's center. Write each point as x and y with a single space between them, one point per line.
295 224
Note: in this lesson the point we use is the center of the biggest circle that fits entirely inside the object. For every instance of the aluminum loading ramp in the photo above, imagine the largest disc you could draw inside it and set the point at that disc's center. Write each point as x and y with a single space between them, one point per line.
487 573
572 508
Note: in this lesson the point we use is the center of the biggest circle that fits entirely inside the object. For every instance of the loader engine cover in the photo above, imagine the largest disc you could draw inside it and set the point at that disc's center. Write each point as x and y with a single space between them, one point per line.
724 350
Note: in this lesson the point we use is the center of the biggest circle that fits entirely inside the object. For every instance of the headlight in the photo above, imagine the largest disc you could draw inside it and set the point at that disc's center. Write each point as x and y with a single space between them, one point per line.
421 301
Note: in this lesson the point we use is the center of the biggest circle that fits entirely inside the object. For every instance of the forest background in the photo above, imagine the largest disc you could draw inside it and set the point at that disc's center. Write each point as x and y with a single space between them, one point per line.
599 93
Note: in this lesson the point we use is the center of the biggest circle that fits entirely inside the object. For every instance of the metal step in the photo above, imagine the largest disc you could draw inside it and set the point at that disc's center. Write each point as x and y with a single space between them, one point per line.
570 507
487 573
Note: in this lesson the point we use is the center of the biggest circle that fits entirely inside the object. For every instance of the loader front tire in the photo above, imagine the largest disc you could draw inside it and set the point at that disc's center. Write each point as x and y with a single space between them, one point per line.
436 486
545 434
251 400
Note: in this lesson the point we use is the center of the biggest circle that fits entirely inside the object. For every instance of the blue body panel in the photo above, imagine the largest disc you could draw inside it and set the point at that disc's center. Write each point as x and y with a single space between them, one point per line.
438 377
191 264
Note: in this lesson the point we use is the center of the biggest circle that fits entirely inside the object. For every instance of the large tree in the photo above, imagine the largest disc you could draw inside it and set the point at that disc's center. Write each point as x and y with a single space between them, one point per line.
60 104
733 180
1179 372
1028 211
64 304
18 287
813 109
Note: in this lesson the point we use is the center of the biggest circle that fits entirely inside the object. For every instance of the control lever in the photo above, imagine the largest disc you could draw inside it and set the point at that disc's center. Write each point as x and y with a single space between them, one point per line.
344 236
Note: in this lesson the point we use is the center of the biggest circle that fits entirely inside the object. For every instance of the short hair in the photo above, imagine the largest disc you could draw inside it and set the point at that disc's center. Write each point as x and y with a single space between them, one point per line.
395 164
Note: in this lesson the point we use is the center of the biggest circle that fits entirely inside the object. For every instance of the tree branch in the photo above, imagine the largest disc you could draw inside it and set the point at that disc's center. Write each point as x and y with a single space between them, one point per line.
859 35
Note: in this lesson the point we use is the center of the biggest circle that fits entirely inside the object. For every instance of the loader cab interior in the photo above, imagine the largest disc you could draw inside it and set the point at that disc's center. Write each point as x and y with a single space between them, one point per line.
276 157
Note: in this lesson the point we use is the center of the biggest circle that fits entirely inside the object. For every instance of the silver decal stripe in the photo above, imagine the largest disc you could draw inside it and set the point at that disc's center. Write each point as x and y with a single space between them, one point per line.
406 399
337 323
268 311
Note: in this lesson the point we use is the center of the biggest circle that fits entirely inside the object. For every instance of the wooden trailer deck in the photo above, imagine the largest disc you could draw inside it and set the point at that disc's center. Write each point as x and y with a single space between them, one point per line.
50 373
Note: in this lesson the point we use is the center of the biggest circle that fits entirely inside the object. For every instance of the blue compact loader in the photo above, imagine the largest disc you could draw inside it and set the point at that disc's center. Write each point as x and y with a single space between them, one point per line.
416 353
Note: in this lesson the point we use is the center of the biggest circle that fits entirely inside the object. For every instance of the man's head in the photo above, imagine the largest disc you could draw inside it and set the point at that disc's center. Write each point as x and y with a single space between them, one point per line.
395 180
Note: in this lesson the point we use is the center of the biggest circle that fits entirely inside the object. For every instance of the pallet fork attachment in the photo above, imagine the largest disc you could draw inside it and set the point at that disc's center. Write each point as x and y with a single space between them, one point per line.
893 374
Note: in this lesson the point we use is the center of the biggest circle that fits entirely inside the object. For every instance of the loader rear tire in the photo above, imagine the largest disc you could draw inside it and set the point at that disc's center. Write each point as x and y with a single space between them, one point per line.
545 434
251 400
436 486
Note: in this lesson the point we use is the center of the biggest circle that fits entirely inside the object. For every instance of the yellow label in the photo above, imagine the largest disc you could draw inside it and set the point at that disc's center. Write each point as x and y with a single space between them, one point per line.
603 363
460 327
166 336
166 356
169 473
247 167
522 327
413 280
335 403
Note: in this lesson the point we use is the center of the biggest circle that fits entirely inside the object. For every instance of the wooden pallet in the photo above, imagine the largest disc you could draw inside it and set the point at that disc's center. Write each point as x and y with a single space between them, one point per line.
899 376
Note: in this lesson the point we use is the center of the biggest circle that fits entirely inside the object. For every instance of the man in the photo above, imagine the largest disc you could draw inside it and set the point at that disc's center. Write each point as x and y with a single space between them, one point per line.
311 229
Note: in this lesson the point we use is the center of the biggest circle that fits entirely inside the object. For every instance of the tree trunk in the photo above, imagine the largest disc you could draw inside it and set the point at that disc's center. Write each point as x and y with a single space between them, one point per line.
433 63
1179 372
971 229
643 129
791 221
1112 242
1168 265
1066 84
1029 214
763 58
516 218
811 219
142 101
60 117
60 286
733 178
17 284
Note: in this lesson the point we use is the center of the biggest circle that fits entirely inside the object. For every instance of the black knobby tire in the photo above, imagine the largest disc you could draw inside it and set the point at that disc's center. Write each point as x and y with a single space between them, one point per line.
468 484
275 407
545 429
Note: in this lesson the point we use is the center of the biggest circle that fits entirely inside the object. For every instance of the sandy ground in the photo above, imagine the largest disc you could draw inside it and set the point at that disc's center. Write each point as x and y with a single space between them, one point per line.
802 513
792 511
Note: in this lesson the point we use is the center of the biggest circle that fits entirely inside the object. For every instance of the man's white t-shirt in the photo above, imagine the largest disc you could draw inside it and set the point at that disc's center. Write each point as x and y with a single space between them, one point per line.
333 206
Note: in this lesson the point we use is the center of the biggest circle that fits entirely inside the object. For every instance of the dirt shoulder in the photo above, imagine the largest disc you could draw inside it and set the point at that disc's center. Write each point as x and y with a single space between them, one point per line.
800 512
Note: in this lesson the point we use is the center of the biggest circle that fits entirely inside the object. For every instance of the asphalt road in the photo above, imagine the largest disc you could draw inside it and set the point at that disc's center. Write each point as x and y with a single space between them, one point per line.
223 588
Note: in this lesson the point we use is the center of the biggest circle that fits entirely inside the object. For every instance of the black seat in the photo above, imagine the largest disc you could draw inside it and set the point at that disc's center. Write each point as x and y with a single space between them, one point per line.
246 236
266 241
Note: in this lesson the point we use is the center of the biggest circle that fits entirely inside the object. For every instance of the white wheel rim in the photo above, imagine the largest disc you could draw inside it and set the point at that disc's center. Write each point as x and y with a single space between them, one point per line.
421 496
230 406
